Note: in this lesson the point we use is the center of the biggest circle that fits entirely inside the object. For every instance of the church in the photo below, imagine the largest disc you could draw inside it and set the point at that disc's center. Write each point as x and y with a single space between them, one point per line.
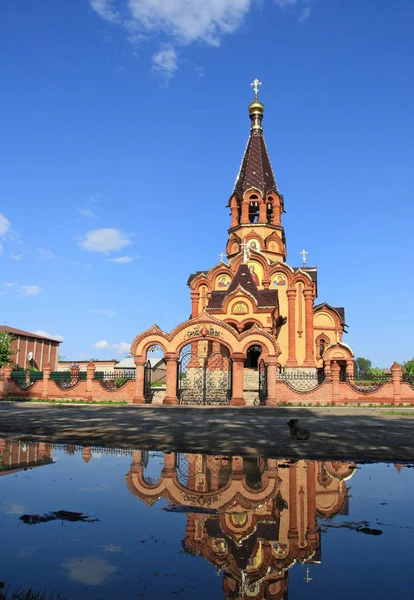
255 319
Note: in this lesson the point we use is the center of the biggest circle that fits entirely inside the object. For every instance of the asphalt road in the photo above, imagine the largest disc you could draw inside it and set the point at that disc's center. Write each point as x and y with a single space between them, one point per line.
336 433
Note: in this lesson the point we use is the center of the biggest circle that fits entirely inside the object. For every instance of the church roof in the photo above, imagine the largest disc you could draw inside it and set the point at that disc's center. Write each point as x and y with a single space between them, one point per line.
255 170
244 279
338 309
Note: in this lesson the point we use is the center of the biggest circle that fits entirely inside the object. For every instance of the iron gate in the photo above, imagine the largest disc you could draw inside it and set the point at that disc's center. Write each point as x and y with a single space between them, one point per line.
148 391
262 382
204 380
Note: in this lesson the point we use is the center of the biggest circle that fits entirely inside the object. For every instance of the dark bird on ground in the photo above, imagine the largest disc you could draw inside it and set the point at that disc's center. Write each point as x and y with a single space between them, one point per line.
296 432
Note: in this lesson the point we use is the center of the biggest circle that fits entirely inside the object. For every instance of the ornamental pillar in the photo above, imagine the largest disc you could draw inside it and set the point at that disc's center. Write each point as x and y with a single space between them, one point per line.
350 369
237 398
396 374
46 376
336 390
171 381
271 383
194 304
291 361
90 374
311 498
293 510
139 397
309 351
5 377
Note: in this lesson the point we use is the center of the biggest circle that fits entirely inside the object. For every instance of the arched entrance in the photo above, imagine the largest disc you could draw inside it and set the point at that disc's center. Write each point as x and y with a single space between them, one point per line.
253 356
204 374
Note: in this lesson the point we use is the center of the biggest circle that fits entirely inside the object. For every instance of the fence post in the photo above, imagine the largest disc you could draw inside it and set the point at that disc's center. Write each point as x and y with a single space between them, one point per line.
5 376
139 381
336 392
46 376
396 374
90 374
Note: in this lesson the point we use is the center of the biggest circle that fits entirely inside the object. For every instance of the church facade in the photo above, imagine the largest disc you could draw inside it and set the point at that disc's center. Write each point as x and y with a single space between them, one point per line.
254 317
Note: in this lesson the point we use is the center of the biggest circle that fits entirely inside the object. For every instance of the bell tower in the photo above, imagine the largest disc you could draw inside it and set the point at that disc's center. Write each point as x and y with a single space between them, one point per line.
256 205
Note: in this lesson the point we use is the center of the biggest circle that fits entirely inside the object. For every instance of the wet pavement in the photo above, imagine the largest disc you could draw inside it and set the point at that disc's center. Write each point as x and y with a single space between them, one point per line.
90 522
342 433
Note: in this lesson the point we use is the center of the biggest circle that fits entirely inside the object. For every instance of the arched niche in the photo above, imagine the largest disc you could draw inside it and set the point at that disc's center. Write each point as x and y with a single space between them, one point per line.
253 354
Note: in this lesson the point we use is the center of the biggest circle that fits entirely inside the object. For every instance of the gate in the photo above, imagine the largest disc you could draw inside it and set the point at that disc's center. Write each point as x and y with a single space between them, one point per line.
262 382
148 391
204 380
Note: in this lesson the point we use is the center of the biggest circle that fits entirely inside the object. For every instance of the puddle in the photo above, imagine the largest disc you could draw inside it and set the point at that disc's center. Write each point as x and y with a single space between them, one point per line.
94 523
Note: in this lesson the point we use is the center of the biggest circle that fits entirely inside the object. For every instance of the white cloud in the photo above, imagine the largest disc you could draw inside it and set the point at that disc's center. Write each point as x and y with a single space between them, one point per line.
89 570
122 347
103 311
86 213
4 224
16 257
8 284
58 338
46 254
165 61
121 259
104 240
30 290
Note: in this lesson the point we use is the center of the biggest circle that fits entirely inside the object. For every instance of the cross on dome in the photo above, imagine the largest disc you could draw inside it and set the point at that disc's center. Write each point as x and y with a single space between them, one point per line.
255 85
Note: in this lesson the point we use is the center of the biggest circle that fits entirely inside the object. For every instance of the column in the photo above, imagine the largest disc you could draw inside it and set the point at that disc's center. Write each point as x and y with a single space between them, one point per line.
262 211
194 304
234 215
336 391
90 374
245 212
171 381
271 383
46 376
309 350
312 532
293 499
139 397
238 370
169 464
350 368
291 361
396 374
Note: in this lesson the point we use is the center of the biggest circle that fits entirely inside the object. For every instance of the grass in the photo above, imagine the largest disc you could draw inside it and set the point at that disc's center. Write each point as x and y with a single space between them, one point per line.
28 595
62 401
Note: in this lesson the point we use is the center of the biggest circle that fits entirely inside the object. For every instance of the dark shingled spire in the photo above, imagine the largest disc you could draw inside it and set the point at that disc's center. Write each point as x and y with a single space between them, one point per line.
255 170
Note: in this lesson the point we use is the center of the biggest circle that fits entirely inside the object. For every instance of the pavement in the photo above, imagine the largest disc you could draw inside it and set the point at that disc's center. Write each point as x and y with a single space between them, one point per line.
360 434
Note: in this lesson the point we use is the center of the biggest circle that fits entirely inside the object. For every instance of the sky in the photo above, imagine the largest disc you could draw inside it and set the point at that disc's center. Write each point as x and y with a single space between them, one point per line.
123 125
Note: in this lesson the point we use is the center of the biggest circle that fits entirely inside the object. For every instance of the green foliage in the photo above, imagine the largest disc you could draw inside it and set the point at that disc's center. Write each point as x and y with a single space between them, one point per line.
120 381
363 368
408 368
375 372
5 348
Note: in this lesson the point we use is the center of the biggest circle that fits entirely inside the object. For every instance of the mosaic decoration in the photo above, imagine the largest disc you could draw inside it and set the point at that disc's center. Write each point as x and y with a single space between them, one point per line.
279 280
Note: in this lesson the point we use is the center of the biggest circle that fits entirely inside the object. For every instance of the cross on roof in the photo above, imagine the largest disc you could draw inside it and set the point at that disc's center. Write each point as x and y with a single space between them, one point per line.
304 253
255 85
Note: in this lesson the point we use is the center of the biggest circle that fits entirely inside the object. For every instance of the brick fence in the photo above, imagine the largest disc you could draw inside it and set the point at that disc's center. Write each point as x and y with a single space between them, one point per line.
333 391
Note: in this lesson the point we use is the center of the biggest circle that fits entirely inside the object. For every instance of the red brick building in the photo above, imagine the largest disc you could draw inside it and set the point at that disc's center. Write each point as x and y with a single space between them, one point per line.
32 350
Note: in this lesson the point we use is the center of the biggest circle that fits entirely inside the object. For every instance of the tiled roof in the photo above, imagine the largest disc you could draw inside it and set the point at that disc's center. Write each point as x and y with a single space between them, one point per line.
339 309
256 170
244 279
312 271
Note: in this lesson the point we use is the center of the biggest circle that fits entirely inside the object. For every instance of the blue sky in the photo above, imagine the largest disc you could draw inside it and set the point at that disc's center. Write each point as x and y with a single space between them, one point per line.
123 126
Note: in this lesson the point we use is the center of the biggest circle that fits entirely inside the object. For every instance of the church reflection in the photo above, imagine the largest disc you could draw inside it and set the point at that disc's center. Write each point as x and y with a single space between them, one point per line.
252 518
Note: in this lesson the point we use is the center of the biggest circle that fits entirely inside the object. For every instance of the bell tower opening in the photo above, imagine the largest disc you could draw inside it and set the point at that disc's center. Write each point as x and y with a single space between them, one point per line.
252 358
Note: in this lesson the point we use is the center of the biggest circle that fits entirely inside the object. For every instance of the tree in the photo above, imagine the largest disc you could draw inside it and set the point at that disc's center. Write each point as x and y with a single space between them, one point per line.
408 368
363 368
5 348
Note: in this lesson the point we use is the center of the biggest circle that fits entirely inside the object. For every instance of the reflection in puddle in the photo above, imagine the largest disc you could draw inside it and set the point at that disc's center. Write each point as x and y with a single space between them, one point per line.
260 522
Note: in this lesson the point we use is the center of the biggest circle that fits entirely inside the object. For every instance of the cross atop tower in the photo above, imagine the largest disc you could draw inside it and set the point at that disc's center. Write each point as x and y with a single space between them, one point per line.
303 253
255 85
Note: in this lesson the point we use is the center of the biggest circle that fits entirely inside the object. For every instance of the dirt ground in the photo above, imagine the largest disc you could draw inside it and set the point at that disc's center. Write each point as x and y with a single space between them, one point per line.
361 434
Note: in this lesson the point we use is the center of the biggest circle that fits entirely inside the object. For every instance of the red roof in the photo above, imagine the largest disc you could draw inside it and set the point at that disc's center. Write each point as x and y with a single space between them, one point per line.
29 334
256 170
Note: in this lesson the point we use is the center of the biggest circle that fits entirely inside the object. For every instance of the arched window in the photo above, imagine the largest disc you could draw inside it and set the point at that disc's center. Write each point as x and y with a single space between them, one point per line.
253 209
269 210
321 344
